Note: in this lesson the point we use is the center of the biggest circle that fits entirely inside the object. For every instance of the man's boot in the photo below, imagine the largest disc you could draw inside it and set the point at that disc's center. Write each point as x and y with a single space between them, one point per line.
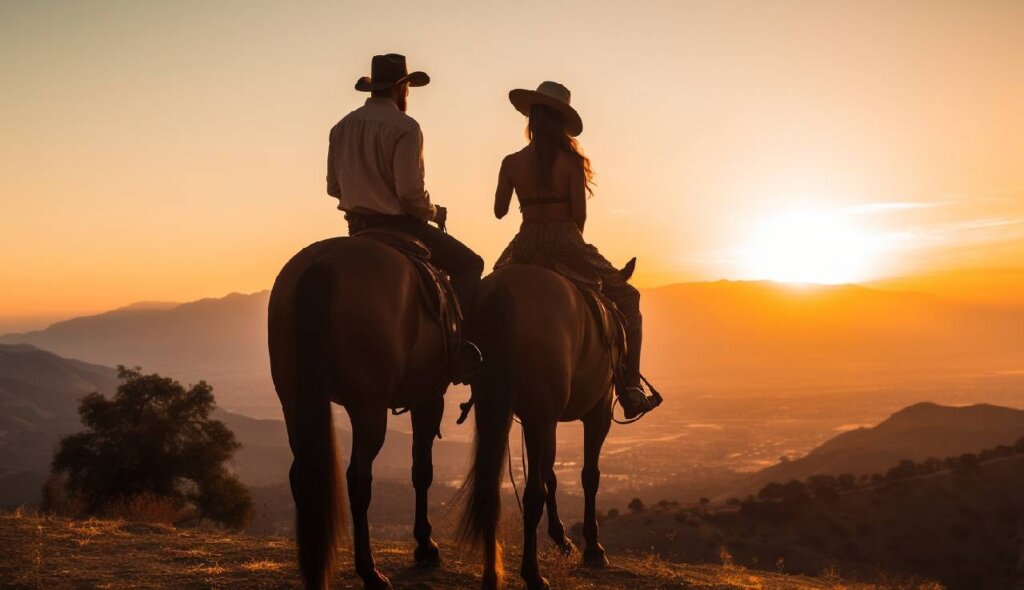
467 357
465 362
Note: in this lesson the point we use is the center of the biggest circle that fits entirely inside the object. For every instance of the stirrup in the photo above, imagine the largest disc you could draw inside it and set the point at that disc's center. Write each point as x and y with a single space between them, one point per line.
634 402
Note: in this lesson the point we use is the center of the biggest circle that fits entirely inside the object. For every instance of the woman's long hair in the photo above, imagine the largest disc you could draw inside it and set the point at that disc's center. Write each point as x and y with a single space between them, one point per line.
546 131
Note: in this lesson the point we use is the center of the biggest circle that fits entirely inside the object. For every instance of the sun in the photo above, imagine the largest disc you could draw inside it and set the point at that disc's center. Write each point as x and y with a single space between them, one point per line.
826 248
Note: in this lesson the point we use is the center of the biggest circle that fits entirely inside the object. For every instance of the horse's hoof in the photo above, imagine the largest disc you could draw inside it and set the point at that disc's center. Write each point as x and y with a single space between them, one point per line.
491 581
595 558
566 548
427 555
376 581
537 583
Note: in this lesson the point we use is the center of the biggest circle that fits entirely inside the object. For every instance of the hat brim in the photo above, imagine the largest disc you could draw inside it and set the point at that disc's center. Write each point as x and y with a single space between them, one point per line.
522 99
365 84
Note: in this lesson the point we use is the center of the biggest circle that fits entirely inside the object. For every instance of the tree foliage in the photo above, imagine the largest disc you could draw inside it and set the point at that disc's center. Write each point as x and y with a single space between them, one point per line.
153 437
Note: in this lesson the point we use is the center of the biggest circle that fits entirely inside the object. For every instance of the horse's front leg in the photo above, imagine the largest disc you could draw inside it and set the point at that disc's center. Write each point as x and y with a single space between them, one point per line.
426 420
368 429
595 429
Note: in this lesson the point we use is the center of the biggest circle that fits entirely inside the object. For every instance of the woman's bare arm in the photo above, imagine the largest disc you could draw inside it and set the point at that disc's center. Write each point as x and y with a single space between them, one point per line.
503 194
578 194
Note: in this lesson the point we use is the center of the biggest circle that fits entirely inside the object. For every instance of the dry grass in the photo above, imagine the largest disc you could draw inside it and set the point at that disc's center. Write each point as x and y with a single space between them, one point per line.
45 552
149 508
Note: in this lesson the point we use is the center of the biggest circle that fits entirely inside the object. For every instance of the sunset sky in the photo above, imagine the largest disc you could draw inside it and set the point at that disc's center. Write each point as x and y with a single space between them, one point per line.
175 150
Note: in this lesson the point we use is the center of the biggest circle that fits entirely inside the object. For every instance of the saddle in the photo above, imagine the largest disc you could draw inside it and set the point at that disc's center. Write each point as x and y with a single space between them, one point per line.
434 285
606 314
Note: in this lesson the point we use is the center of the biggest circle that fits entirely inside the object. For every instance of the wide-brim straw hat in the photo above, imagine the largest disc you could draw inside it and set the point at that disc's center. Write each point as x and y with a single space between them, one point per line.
387 71
549 94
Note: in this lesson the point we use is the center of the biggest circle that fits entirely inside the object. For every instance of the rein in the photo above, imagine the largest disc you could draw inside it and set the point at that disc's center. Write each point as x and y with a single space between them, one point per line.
522 456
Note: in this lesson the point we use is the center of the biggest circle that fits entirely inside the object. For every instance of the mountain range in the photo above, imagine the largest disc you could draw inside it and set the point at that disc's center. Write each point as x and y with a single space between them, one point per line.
730 334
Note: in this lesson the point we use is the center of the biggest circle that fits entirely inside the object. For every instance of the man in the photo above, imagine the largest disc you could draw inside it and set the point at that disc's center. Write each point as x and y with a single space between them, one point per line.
375 170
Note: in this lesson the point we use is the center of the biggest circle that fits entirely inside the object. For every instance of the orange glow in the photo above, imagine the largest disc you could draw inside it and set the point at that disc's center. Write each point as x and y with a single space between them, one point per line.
155 153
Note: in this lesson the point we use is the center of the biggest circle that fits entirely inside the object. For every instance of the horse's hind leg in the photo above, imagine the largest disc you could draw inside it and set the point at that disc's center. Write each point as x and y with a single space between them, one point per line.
556 530
426 420
368 429
540 448
595 428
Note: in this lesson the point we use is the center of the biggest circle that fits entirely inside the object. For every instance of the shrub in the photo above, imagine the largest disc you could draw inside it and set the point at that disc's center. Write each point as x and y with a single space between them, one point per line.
151 446
58 500
772 491
146 507
636 505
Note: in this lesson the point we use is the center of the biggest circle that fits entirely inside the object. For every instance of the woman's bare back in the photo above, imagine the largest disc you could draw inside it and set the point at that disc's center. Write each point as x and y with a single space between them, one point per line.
561 198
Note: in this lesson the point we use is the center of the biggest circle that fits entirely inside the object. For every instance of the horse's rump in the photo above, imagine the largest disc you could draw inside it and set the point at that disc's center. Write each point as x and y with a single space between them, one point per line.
379 316
347 323
536 330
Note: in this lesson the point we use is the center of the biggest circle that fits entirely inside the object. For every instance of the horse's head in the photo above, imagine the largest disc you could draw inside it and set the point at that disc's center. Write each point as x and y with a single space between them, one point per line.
627 271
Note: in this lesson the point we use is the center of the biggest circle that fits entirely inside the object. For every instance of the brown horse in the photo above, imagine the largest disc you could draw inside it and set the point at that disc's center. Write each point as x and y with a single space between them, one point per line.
546 361
347 324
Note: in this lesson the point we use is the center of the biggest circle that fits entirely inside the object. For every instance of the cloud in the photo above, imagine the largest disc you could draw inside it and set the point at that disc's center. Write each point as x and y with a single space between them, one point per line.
959 233
871 208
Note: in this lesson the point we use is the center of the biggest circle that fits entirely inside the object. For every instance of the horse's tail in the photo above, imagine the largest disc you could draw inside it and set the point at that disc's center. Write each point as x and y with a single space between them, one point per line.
317 485
481 491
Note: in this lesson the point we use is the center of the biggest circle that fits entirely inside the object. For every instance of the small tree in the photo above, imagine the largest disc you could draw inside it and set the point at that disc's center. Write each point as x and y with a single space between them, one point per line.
772 491
636 505
153 438
824 487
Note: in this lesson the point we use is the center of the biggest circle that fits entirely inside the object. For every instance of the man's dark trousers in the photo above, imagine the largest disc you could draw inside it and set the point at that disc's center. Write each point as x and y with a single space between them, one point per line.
450 255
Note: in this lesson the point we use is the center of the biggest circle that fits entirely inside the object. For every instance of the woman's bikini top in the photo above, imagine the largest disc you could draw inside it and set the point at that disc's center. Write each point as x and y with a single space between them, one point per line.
551 200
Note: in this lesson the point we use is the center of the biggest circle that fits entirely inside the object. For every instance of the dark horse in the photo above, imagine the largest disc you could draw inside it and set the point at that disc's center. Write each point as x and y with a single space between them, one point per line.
347 324
546 361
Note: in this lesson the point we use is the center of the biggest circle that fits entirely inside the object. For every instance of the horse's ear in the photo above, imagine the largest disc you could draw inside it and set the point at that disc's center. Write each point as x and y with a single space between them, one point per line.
627 271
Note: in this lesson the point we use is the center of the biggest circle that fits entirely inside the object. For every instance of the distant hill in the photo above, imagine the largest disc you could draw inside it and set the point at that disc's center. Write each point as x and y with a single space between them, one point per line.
918 432
992 286
735 334
223 341
962 528
797 336
115 554
39 395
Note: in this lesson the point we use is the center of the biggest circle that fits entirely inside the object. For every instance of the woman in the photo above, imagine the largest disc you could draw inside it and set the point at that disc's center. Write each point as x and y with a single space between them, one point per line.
552 179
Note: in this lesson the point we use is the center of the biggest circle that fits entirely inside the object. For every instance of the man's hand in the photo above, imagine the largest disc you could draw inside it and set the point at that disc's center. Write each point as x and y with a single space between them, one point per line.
441 217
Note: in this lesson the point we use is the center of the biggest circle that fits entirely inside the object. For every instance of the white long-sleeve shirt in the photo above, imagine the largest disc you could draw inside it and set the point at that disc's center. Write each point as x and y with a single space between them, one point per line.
375 162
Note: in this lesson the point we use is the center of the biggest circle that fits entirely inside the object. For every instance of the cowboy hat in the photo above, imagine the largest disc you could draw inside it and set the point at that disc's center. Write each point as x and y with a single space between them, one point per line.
549 94
387 71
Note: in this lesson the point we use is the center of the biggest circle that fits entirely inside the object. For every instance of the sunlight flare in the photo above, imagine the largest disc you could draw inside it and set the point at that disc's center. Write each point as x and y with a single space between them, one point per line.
809 247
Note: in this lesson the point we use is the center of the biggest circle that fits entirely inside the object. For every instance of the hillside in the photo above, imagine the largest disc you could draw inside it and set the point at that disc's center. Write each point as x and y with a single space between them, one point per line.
47 552
963 527
39 393
723 333
917 432
222 340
